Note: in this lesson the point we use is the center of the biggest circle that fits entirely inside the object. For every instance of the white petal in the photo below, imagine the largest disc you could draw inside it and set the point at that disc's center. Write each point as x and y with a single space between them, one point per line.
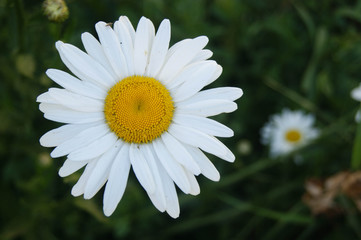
203 141
197 80
159 49
70 66
126 44
141 169
117 180
158 197
78 188
125 21
100 174
179 153
216 75
81 140
224 93
195 189
204 125
63 114
173 168
75 101
70 167
94 149
189 74
207 108
177 46
95 50
202 55
171 197
49 105
75 85
180 57
46 98
112 49
84 66
207 167
142 44
61 134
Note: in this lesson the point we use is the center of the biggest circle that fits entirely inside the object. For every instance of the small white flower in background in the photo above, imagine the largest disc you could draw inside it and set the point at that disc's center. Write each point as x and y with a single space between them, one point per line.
288 131
356 94
136 103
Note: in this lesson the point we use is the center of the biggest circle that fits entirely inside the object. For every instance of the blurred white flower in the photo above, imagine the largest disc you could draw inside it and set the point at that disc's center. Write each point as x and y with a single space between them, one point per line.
356 94
288 131
136 103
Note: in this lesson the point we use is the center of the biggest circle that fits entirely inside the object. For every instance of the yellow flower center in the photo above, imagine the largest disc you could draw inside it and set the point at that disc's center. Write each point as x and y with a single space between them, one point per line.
138 109
293 135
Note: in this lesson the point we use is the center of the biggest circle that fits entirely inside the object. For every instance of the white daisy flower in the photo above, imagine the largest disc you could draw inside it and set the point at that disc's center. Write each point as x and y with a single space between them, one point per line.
135 103
356 95
288 131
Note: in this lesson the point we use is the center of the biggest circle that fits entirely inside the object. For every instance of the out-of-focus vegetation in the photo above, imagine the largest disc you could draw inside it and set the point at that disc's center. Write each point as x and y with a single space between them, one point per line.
295 54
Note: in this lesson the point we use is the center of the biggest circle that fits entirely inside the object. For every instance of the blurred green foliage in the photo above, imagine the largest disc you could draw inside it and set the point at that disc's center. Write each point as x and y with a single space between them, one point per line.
296 54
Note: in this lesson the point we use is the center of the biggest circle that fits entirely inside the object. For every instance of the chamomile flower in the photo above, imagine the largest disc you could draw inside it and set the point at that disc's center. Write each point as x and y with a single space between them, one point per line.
288 131
356 95
134 103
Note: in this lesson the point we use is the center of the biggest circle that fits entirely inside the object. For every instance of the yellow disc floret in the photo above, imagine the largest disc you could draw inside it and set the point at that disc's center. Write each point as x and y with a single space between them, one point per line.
138 109
293 136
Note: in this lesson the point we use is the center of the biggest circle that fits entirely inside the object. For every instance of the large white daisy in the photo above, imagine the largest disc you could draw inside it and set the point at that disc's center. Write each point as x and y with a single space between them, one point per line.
356 95
288 131
136 103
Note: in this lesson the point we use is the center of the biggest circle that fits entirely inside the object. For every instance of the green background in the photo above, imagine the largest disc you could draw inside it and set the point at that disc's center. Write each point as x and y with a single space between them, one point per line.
284 54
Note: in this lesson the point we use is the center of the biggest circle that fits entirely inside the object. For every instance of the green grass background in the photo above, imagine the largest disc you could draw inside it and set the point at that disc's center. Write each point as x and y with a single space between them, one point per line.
295 54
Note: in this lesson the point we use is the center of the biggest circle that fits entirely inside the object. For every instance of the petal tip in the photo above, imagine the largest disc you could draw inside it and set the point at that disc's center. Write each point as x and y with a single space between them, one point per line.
174 215
166 22
59 44
203 39
87 196
75 191
240 93
216 179
85 35
108 211
61 172
42 139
